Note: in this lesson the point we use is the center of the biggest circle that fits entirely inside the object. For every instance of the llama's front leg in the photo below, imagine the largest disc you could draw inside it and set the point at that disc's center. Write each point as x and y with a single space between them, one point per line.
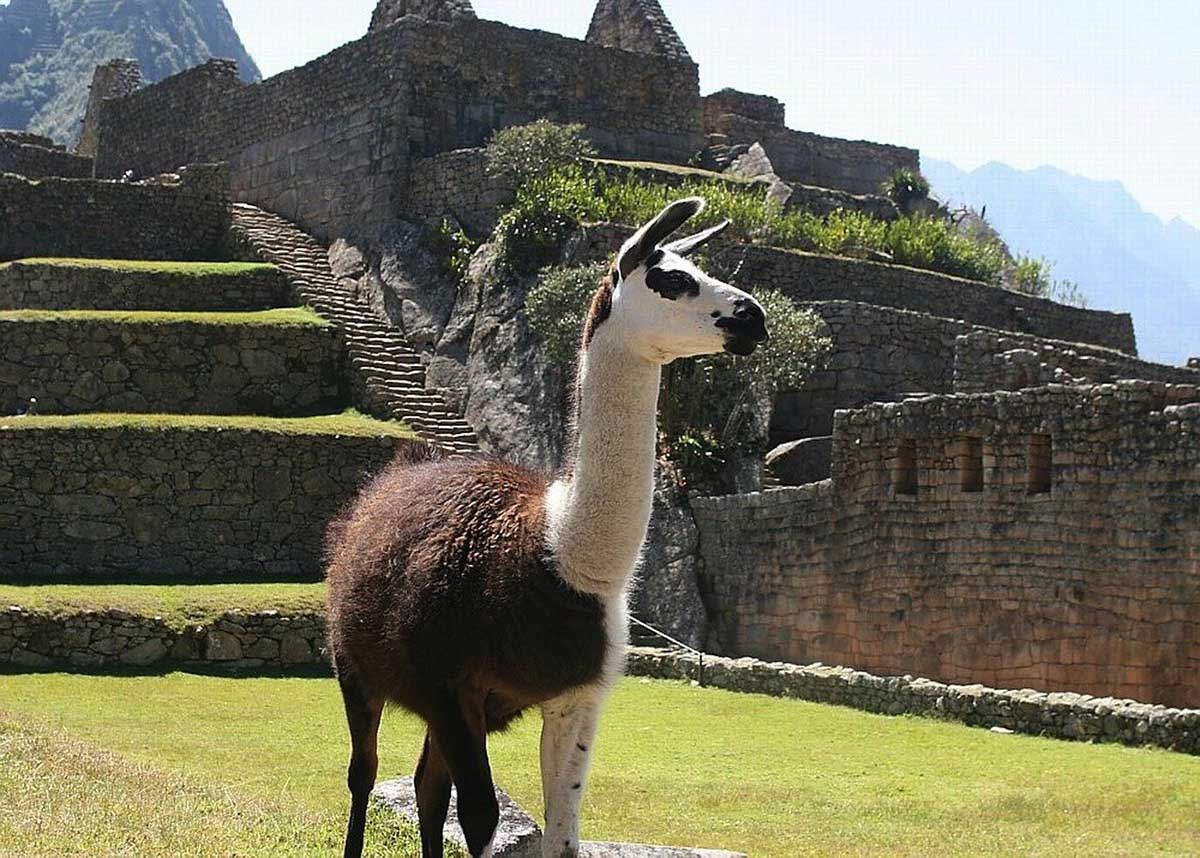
568 734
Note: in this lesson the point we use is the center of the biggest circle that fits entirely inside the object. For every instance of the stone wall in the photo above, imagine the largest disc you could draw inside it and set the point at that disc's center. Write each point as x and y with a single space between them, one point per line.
857 166
457 184
36 157
388 12
638 26
1062 715
988 360
760 108
183 218
328 145
114 79
812 277
119 638
1056 550
137 501
93 364
33 285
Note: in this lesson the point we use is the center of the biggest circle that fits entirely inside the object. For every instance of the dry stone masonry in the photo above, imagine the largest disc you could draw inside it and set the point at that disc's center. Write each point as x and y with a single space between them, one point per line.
36 157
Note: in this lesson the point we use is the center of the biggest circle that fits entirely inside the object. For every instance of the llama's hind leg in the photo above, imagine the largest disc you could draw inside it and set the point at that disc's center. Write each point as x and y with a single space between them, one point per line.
459 730
362 716
432 784
568 734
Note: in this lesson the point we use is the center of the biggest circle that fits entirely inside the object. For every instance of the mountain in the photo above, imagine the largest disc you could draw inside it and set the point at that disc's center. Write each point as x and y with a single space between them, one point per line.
49 49
1097 235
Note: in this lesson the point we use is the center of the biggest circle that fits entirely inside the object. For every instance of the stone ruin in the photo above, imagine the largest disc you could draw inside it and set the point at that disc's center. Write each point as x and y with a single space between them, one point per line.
992 487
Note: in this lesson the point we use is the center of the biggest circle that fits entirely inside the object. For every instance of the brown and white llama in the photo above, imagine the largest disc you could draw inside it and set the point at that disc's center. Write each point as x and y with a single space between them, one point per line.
469 590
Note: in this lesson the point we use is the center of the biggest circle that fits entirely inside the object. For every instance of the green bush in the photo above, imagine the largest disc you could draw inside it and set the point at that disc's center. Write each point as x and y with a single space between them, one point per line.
906 187
532 151
454 248
558 305
1034 277
546 210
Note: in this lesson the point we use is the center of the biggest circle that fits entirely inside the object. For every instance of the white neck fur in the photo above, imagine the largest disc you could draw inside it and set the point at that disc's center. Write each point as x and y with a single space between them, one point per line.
598 512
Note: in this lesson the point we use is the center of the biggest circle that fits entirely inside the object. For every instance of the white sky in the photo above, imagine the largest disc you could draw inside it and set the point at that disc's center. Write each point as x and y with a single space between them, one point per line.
1109 89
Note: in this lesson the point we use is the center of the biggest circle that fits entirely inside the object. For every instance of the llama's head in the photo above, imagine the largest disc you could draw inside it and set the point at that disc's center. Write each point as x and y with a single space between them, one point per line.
663 307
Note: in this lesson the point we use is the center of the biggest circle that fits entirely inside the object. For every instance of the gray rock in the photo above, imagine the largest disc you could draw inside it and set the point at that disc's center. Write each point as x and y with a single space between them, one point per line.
295 650
146 653
517 836
222 646
668 592
25 658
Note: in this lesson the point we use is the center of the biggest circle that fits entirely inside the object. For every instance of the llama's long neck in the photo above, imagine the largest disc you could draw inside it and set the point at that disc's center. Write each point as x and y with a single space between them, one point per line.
599 512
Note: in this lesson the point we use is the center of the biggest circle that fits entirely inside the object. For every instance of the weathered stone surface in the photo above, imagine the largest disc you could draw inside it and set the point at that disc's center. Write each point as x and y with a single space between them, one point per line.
668 589
1036 538
388 12
589 849
147 653
517 835
804 461
636 25
222 646
38 157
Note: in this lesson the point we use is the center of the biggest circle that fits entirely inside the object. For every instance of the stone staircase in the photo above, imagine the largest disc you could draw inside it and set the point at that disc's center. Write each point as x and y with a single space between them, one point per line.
386 371
143 442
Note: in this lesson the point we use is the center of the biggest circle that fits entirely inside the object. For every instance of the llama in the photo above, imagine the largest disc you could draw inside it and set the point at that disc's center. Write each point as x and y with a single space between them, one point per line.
468 590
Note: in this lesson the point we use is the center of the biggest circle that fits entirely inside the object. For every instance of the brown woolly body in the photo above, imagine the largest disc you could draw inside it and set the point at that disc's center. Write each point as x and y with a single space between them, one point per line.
440 581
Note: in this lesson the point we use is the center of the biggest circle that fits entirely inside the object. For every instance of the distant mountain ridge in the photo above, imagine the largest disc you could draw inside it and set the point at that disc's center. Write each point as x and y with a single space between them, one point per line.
49 49
1096 234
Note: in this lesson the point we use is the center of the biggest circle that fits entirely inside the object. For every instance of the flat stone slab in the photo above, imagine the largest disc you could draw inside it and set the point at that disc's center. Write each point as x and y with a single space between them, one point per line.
518 836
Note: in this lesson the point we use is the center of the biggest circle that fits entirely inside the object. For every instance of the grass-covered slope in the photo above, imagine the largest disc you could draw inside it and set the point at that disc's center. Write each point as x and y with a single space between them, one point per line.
177 269
674 764
349 422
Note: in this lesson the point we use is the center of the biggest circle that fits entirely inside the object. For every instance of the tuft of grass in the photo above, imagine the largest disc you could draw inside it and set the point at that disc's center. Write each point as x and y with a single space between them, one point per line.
285 317
179 605
66 797
185 269
349 422
674 764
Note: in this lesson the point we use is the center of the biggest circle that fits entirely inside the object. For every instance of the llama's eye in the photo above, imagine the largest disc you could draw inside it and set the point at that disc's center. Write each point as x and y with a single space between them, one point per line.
672 284
716 314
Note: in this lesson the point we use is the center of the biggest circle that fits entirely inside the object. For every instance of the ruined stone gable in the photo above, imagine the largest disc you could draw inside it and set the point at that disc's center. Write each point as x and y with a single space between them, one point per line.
636 25
388 12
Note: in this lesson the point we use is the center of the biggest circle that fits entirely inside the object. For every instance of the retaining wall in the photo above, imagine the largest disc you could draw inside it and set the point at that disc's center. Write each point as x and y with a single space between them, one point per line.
989 360
184 219
923 555
192 503
37 157
33 285
76 365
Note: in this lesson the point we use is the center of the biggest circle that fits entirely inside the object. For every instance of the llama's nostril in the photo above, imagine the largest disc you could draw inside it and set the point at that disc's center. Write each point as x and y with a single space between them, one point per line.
748 310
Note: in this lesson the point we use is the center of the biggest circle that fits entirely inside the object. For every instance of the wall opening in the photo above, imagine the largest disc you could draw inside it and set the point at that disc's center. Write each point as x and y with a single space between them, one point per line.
904 468
969 460
1041 464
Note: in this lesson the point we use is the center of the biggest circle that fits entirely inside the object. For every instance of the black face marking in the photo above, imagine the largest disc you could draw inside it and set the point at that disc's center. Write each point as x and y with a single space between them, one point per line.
672 284
581 747
716 314
576 786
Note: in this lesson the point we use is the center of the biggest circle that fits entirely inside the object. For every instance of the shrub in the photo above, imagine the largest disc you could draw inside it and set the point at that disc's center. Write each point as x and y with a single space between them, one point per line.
454 248
933 244
1034 277
546 210
557 307
906 187
532 151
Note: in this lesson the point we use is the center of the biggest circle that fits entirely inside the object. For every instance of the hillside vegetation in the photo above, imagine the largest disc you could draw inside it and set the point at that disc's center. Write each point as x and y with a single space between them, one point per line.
51 47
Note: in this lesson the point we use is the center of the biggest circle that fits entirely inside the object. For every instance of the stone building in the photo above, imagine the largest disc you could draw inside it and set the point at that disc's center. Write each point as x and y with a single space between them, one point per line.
987 486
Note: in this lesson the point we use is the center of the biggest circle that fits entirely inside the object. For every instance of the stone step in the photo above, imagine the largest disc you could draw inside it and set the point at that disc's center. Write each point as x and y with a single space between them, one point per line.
112 497
518 835
114 284
274 362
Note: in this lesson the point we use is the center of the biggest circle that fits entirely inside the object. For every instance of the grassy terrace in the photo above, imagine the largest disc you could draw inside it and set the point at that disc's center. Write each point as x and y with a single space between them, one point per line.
177 604
290 317
347 423
178 752
187 269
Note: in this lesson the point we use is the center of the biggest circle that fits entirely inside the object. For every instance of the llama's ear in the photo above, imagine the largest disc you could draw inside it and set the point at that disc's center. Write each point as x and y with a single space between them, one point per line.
687 245
646 240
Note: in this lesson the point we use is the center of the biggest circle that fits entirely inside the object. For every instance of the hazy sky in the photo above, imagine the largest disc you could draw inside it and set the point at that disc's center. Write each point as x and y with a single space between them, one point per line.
1109 89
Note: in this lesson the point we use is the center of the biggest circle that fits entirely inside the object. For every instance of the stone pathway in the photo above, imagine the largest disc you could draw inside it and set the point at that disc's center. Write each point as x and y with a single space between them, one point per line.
518 836
387 370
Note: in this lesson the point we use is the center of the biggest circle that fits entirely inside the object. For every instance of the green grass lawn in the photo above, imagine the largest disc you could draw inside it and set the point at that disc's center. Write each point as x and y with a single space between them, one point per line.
675 764
178 604
348 422
187 269
286 317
